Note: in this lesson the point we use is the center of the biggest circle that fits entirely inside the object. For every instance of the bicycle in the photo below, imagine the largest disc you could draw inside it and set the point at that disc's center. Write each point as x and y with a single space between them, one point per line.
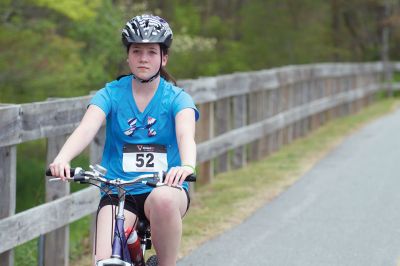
121 255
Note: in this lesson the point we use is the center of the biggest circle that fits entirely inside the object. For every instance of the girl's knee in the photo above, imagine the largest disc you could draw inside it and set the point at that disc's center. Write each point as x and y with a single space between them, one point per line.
163 201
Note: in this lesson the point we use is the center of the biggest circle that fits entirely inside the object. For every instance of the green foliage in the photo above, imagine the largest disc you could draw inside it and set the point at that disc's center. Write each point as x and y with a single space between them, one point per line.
29 72
182 12
30 174
41 60
102 52
69 48
214 27
26 254
74 9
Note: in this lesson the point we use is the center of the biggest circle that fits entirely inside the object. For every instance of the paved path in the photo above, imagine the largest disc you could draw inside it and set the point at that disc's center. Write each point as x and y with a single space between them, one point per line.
344 211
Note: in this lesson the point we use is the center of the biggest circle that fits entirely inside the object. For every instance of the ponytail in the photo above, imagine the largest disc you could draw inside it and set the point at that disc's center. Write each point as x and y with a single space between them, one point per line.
167 76
163 71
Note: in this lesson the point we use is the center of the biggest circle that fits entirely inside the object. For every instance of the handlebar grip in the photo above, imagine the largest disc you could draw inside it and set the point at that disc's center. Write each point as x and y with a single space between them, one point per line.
151 183
72 172
191 178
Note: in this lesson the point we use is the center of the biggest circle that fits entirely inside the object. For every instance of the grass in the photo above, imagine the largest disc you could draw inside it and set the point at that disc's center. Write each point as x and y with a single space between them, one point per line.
235 195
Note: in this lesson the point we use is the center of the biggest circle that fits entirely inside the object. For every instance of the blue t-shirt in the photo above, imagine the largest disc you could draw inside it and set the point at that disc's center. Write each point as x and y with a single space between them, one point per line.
128 129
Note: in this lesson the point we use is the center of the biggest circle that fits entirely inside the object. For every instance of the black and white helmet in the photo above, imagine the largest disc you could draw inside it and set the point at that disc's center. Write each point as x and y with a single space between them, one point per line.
147 29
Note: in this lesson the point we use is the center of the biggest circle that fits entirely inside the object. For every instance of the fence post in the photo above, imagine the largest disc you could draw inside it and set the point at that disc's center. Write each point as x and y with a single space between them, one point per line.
329 85
10 116
345 90
280 108
56 246
305 99
255 115
8 162
264 141
270 113
321 95
222 125
290 94
354 105
336 90
205 131
348 89
297 126
239 120
95 155
274 109
284 106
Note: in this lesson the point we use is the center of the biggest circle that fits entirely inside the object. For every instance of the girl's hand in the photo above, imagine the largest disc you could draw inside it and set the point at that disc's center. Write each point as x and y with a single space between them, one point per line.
176 175
60 169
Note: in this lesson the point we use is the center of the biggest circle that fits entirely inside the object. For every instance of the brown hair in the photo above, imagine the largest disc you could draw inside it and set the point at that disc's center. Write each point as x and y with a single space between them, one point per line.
163 72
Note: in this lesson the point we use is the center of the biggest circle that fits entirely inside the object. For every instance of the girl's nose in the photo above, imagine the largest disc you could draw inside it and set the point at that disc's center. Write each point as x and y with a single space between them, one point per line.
144 57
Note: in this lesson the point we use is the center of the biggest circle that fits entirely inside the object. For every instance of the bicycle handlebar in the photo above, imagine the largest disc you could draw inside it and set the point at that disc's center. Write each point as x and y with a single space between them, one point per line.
80 175
72 171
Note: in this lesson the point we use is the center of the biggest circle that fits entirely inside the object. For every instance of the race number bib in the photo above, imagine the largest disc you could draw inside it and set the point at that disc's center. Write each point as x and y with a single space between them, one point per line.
144 158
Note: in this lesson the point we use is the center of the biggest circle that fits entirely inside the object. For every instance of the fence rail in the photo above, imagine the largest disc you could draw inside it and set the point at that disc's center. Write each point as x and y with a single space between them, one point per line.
244 116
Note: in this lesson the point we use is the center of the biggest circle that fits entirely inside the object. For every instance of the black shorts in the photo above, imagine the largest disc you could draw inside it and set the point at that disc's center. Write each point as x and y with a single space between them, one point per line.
133 203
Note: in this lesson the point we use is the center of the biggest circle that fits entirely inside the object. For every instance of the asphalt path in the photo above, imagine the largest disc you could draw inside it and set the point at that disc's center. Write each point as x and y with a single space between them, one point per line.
344 211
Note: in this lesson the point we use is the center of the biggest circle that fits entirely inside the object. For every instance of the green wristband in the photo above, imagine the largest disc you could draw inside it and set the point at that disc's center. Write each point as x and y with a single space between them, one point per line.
194 169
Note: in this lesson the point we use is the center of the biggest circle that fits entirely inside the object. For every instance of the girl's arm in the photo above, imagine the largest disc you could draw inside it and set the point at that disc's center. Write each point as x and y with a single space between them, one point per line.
185 131
77 142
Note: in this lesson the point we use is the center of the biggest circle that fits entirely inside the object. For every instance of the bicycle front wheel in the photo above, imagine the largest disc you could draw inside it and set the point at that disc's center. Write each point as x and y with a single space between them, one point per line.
152 261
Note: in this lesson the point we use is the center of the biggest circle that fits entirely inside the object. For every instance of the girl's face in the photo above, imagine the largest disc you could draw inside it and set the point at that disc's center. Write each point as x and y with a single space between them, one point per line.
144 59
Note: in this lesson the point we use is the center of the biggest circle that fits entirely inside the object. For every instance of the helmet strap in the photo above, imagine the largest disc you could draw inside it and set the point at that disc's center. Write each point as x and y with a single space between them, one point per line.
147 80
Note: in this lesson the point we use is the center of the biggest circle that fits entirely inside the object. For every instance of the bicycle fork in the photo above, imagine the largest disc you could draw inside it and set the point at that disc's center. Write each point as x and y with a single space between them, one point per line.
119 247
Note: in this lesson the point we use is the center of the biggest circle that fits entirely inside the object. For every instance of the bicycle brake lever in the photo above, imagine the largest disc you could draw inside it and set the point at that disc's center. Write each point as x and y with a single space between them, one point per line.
59 178
163 184
159 184
177 187
150 183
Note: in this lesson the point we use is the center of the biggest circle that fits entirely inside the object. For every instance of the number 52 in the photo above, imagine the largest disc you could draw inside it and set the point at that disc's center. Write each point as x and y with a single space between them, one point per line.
143 159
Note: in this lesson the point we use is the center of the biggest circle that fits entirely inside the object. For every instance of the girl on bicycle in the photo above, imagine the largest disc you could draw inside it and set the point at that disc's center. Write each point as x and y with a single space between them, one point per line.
150 127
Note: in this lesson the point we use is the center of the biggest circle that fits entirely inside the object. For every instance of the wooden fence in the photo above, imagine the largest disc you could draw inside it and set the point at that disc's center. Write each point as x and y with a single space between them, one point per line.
244 116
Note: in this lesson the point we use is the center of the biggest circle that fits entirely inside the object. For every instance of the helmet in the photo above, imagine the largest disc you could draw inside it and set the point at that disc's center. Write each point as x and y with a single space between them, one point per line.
147 29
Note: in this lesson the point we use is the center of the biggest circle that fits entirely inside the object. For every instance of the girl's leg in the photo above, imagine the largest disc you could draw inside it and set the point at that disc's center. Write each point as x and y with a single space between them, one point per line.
165 208
106 223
